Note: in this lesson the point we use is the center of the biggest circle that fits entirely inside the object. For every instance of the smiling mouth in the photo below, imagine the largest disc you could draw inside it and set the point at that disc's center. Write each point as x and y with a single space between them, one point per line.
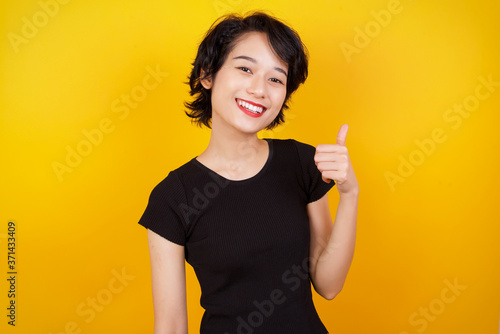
256 109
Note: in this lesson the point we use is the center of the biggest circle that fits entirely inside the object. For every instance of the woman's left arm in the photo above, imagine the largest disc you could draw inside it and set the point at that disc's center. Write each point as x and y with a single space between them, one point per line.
332 245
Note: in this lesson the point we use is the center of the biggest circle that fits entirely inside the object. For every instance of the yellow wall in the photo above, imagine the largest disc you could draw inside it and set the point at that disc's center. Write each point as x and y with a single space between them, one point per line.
397 72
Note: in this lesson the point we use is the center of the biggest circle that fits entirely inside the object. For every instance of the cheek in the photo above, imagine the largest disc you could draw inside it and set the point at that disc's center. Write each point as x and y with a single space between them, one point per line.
218 90
279 97
227 86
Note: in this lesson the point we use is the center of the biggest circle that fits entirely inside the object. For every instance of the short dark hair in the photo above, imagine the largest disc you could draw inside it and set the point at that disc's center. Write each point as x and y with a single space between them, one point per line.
218 42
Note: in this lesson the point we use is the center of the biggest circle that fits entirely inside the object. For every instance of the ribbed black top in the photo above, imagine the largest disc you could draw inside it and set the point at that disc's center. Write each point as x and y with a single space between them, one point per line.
247 240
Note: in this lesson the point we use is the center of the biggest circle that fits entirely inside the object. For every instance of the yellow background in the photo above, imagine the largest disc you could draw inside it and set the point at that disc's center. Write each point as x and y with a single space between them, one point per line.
437 224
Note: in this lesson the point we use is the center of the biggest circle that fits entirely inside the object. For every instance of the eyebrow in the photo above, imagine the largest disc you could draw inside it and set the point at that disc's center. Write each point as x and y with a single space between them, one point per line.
279 69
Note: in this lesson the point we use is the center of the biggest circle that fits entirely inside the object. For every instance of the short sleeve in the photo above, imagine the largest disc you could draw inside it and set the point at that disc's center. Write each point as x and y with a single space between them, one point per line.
314 185
163 214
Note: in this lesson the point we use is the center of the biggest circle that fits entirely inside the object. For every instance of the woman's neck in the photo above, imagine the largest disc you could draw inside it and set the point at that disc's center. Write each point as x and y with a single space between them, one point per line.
233 154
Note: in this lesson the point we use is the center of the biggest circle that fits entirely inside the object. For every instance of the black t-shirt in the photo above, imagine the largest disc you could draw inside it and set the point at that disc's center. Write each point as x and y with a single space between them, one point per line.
247 240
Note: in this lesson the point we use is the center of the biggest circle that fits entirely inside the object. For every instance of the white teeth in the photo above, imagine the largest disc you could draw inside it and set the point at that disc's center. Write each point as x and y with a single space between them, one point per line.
250 107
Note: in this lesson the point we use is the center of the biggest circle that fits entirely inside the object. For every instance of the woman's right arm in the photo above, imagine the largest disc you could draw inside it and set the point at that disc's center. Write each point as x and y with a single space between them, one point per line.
168 278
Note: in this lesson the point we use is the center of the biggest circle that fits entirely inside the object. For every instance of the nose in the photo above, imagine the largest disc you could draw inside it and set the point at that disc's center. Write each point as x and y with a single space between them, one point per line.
257 86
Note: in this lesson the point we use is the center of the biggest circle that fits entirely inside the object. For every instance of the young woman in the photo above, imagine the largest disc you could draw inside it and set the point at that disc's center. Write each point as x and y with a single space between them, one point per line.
250 215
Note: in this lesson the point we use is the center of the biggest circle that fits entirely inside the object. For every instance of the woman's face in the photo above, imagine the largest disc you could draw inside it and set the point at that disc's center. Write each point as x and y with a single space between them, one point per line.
250 87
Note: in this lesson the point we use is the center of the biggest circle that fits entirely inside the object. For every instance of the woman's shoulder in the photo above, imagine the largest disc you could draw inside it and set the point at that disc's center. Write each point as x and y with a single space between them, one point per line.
173 177
291 142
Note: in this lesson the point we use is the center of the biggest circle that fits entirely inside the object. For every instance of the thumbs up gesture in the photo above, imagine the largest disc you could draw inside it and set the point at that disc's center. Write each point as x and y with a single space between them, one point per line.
334 163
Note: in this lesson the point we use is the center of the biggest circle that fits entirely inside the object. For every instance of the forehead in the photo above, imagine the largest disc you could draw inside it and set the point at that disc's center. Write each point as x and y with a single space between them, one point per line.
256 45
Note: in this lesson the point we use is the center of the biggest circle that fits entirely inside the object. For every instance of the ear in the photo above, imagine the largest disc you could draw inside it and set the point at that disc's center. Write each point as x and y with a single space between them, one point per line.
207 82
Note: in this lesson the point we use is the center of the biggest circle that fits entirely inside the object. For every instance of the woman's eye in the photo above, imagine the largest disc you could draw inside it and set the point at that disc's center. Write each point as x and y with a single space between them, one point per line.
244 69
